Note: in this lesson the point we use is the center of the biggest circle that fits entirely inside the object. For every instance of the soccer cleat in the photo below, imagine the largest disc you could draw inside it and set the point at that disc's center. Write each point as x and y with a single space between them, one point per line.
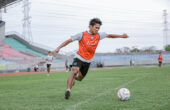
67 94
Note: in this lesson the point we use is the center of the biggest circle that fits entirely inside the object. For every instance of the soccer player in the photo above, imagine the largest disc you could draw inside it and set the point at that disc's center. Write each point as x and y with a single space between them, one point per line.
36 68
160 59
88 41
49 60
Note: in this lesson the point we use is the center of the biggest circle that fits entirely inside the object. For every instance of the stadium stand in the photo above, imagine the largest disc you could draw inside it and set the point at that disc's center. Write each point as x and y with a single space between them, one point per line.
14 43
7 52
4 3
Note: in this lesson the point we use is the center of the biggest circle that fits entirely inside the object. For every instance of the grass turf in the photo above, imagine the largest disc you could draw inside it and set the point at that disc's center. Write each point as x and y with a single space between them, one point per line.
149 87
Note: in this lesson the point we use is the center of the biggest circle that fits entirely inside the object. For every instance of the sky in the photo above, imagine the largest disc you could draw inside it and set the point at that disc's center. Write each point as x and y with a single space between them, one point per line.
54 21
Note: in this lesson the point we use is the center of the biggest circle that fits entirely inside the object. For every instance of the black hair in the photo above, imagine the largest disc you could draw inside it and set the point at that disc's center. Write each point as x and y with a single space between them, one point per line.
49 51
95 21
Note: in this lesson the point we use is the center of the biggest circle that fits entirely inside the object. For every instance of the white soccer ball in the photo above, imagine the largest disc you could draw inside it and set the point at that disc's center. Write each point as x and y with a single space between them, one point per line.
123 94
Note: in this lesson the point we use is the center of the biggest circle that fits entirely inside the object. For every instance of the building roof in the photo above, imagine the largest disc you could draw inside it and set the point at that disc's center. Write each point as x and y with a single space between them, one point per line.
4 3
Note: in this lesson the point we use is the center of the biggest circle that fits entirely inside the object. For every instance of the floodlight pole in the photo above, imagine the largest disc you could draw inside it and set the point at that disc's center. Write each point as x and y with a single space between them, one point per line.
0 15
165 30
27 33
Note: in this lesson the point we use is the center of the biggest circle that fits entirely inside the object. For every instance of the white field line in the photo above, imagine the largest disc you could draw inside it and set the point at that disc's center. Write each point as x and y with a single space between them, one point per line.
73 107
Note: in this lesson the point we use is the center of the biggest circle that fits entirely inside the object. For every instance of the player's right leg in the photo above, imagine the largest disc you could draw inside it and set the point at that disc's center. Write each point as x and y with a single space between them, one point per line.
67 69
70 81
48 69
159 64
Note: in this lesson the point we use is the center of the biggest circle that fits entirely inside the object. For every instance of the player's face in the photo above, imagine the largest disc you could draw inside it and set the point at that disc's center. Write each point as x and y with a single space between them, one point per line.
94 29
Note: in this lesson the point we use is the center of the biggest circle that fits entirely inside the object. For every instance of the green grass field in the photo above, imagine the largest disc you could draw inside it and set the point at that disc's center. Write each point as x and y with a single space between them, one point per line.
149 87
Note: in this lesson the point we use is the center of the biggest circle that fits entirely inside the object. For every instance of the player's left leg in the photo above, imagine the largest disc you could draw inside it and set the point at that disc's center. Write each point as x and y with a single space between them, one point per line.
79 76
81 73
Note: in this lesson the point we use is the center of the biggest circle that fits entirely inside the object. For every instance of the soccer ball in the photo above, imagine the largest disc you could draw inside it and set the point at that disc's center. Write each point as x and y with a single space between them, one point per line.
123 94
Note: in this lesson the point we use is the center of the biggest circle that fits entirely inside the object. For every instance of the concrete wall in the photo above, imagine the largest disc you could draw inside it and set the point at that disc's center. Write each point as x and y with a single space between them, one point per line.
5 68
139 62
2 30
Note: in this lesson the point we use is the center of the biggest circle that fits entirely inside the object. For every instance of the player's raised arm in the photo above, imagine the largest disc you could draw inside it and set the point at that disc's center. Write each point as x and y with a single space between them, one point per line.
117 36
62 45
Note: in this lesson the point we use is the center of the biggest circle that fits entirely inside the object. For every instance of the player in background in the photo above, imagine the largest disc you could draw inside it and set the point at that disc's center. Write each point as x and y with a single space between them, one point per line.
36 68
88 42
160 59
66 65
49 59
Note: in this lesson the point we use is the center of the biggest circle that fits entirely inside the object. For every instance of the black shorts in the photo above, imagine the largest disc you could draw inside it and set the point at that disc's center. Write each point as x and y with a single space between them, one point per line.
35 69
160 62
84 66
48 65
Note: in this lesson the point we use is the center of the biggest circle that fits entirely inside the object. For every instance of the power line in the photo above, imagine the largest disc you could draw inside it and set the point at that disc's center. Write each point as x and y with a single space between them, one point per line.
88 6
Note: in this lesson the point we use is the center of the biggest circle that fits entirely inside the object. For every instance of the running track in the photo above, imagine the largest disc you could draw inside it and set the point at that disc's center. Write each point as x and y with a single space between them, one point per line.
21 73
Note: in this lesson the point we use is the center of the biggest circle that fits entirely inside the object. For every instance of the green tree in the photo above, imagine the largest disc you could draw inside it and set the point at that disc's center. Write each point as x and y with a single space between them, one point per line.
167 48
135 49
150 49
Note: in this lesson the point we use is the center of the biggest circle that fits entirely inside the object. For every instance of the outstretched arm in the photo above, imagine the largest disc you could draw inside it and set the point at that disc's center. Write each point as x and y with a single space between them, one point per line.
117 36
62 45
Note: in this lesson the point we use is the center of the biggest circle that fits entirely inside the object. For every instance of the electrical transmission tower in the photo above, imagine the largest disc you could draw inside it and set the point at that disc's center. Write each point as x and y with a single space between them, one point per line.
0 14
165 30
27 33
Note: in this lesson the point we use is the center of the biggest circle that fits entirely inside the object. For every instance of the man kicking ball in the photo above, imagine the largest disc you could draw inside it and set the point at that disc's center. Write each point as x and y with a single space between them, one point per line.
88 42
